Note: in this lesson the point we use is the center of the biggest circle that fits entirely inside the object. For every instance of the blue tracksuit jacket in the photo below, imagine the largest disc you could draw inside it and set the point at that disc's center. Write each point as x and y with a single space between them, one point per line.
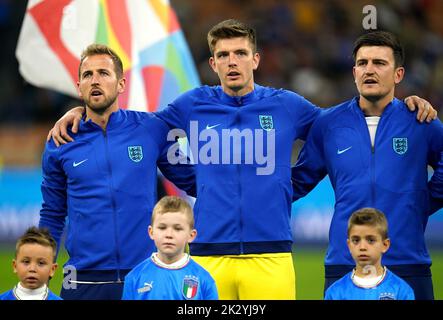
391 177
105 182
239 211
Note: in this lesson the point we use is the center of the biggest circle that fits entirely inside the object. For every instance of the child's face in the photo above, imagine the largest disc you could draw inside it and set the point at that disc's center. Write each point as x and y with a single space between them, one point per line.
34 265
366 245
171 232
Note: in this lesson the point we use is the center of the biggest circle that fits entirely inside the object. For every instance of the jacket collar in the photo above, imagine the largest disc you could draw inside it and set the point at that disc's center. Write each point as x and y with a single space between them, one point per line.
390 107
115 119
240 100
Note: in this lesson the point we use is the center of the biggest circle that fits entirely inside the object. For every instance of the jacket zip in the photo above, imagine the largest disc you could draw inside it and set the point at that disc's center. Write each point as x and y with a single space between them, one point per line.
114 211
237 125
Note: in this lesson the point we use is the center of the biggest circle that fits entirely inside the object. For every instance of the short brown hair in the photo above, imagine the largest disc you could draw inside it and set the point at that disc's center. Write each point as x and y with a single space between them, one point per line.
39 236
173 204
96 49
369 217
229 29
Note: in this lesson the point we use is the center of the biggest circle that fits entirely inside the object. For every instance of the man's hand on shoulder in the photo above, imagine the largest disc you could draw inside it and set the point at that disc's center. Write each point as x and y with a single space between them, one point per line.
59 132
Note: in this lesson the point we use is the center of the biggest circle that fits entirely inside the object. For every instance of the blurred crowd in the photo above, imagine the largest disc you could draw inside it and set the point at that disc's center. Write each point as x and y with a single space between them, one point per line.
305 46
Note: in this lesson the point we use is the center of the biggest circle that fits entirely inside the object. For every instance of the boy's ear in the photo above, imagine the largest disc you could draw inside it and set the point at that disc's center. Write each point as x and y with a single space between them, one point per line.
53 268
14 265
386 244
151 232
192 235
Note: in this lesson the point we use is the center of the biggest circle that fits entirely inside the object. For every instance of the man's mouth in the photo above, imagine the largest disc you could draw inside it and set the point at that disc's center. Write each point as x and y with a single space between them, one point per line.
370 81
233 74
96 92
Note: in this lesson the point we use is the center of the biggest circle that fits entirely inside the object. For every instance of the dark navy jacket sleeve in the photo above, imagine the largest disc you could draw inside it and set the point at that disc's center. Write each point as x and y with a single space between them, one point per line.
54 209
181 174
310 168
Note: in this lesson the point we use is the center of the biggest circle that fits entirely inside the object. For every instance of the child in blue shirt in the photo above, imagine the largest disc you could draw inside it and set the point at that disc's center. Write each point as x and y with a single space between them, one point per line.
370 280
34 265
170 273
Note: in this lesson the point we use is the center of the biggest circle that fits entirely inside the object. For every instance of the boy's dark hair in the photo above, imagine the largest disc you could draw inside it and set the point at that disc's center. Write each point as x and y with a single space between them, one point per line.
39 236
369 217
229 29
96 49
384 39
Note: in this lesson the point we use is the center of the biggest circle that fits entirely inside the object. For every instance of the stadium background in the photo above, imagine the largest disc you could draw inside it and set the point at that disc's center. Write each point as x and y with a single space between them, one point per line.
305 46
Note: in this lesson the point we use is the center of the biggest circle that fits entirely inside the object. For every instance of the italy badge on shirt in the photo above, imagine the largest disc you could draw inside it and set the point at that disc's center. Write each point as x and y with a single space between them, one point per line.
190 287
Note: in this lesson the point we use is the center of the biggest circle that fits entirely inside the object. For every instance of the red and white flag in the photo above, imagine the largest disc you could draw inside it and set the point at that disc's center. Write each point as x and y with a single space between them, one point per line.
145 34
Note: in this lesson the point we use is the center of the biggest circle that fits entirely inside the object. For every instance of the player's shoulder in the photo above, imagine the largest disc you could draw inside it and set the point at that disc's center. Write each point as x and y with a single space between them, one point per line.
7 295
140 268
333 114
200 92
146 119
53 296
279 93
195 265
342 282
393 278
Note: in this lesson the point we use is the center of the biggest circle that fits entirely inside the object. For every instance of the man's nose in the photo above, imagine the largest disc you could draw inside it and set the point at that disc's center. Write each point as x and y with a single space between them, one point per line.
369 68
95 78
232 59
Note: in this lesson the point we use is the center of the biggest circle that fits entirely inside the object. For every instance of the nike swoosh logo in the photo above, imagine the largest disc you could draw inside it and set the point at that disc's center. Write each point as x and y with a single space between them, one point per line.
344 150
211 127
76 164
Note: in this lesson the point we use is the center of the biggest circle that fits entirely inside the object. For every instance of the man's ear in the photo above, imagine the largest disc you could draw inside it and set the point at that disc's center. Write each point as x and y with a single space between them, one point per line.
399 75
121 85
212 64
256 60
78 91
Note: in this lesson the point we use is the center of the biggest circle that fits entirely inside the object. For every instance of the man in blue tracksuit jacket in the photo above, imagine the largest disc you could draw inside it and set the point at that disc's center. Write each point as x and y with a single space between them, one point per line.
376 156
241 136
105 183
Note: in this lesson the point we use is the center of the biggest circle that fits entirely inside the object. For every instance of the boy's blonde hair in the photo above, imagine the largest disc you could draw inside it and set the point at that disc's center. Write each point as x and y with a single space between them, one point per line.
39 236
369 217
173 204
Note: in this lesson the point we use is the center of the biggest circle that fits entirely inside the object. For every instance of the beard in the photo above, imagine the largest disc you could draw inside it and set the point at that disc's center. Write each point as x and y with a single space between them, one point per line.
100 107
